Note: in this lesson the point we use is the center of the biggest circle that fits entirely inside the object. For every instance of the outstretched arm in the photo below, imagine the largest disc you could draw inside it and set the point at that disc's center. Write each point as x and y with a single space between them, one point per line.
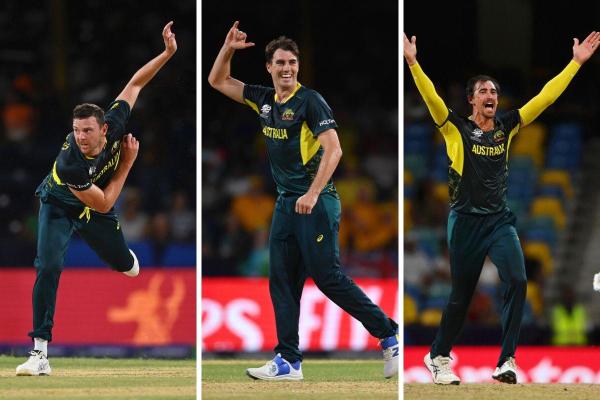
102 200
146 73
434 102
219 77
554 88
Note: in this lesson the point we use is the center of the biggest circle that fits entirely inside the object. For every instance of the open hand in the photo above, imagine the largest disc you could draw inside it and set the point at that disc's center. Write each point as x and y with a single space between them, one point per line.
236 39
410 49
169 39
582 52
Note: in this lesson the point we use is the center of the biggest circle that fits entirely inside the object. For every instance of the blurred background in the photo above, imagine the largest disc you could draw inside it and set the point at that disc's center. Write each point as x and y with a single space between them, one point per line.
554 176
58 54
349 55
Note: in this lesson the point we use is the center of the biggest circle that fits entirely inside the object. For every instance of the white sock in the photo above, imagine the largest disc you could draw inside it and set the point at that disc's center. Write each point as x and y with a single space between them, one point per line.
41 344
135 270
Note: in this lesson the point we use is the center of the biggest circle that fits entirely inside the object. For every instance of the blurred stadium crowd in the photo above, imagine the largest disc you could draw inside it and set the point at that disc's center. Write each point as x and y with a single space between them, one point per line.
59 54
238 193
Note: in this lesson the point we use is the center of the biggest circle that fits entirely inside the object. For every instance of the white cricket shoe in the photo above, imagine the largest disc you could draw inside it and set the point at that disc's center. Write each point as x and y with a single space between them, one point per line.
391 354
507 373
278 369
597 282
37 364
440 370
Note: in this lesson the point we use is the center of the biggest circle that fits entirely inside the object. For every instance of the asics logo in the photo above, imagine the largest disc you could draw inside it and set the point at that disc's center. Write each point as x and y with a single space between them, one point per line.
435 369
320 238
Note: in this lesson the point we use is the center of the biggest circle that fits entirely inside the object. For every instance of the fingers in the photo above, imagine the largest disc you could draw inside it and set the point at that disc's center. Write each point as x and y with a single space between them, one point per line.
301 207
167 28
575 42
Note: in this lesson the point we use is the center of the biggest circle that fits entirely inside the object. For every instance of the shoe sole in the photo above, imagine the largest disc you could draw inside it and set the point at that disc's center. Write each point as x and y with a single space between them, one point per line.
506 377
29 373
274 378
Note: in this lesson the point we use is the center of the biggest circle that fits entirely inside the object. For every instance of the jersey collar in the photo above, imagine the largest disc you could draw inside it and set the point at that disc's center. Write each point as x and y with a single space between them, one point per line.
298 86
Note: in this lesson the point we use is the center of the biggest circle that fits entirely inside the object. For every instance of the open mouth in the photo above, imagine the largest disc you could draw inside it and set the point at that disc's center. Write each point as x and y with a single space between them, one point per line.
488 106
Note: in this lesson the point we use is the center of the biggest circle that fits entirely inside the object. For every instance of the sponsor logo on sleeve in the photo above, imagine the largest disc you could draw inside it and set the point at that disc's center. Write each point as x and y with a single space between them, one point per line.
84 186
327 122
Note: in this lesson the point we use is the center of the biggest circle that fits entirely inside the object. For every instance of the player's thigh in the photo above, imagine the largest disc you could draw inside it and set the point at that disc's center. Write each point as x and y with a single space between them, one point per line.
506 253
466 247
104 235
54 232
317 235
284 253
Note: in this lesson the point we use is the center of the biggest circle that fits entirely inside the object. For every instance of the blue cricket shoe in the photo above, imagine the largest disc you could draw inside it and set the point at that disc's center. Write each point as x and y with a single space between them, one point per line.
278 369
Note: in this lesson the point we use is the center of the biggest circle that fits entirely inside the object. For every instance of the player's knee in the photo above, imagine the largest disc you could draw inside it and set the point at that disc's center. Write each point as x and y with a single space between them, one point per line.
48 265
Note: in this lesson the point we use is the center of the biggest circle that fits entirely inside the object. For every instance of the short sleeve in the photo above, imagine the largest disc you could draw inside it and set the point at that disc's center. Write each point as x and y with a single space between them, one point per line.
319 116
116 117
254 95
511 119
76 178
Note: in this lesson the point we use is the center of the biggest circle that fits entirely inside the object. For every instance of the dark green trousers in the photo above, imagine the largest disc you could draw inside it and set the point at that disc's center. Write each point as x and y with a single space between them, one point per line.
307 245
55 226
470 239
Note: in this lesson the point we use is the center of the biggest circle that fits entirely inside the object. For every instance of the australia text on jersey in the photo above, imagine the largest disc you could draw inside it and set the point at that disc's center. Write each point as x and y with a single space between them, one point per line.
488 150
275 133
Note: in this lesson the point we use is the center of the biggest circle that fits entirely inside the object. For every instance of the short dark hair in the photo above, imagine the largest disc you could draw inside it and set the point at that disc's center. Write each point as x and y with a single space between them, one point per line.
87 110
480 78
283 43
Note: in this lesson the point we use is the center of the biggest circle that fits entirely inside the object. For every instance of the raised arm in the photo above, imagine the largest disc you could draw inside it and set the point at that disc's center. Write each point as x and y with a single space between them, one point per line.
434 102
219 77
554 88
102 200
146 73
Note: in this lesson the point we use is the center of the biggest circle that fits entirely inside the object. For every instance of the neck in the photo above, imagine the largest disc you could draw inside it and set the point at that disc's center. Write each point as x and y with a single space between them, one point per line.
98 149
284 92
483 122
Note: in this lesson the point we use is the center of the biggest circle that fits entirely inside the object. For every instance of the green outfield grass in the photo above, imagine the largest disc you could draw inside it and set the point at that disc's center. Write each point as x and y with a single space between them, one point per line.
323 379
498 391
101 378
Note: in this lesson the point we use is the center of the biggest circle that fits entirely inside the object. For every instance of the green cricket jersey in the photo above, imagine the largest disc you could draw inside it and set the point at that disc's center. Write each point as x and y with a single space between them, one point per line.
290 130
478 171
74 170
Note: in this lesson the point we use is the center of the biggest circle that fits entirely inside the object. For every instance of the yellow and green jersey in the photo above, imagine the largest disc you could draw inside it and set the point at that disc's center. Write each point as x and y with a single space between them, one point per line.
478 172
72 169
290 129
479 160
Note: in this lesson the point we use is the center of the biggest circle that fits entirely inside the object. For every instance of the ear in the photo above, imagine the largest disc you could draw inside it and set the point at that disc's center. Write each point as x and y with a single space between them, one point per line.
470 99
104 129
268 65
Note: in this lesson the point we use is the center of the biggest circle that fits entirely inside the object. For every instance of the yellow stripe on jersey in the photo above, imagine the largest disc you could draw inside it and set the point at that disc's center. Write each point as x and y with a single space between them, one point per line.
454 146
309 145
298 86
253 105
55 175
510 136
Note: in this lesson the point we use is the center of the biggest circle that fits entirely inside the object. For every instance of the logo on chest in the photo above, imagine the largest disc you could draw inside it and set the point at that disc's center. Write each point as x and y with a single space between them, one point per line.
265 110
499 136
288 115
92 170
476 135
